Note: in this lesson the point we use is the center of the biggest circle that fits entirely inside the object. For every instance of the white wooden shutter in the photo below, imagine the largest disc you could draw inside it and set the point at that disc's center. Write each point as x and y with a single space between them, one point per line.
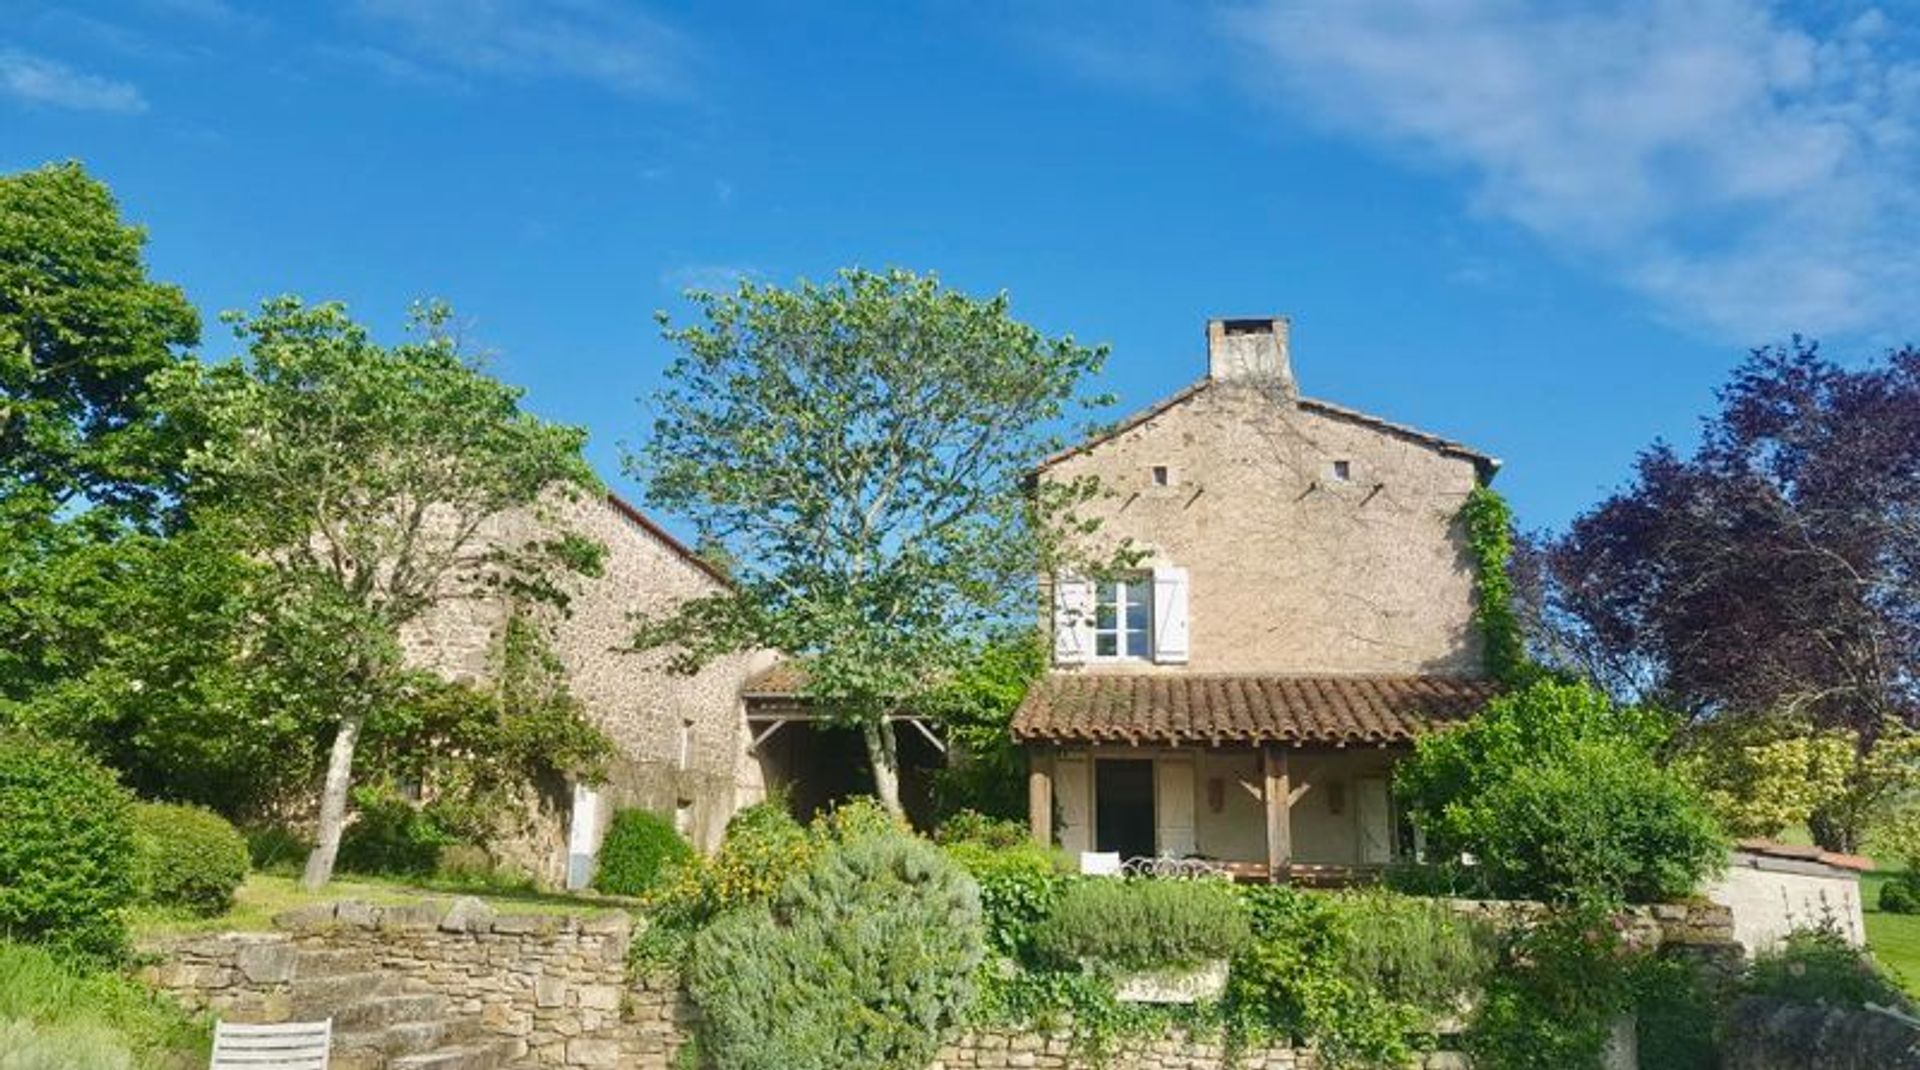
1373 809
1173 807
1170 630
1072 619
1072 788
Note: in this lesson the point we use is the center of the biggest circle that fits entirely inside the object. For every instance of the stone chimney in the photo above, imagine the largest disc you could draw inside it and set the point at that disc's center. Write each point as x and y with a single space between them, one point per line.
1250 351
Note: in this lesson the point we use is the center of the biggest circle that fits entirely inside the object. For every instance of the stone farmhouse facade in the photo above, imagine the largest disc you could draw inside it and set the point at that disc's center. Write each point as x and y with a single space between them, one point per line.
1303 613
681 741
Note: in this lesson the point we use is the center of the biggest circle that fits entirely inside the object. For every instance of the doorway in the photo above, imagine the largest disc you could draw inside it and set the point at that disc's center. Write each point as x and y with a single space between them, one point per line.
1123 804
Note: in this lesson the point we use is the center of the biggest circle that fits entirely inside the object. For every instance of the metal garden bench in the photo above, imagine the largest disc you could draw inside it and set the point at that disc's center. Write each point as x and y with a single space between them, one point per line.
290 1046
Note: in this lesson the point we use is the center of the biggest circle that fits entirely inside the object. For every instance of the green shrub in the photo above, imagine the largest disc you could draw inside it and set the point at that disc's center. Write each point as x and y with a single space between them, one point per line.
1019 887
66 840
25 1046
68 998
1818 965
1901 893
1678 1006
187 857
391 836
1552 1003
764 846
1143 924
276 848
1363 977
639 848
863 960
1414 951
972 826
1556 794
853 818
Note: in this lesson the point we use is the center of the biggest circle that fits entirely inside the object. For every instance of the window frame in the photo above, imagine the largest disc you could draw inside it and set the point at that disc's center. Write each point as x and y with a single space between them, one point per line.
1124 587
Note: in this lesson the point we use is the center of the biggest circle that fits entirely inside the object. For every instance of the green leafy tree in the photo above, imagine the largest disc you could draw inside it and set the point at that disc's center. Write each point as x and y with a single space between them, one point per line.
363 477
860 450
82 331
976 704
1556 794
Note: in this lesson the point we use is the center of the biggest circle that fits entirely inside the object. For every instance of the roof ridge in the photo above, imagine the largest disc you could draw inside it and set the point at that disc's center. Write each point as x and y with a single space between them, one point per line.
1485 464
645 523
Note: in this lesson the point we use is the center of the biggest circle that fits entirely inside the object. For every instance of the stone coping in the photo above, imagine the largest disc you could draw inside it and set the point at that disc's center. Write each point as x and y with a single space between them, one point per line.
464 914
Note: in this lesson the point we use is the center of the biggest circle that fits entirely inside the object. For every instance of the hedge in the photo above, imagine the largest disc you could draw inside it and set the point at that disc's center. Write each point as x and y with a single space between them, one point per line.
187 857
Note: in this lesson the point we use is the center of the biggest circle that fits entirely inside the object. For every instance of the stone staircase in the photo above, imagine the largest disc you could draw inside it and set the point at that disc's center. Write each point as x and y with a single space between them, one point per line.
380 1023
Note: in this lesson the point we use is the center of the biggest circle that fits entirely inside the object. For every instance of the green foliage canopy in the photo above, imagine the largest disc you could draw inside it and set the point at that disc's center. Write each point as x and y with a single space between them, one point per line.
860 449
364 478
66 836
187 857
1557 795
640 847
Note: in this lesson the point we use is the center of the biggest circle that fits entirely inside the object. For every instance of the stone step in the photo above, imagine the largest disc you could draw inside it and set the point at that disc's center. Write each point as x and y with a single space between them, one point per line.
312 963
378 1011
476 1055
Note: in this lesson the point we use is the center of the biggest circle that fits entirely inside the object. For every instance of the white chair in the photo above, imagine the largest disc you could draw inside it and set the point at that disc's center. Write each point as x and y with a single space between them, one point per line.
290 1046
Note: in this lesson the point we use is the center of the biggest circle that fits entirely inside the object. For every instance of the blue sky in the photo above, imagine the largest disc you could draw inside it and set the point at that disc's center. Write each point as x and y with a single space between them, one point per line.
1545 230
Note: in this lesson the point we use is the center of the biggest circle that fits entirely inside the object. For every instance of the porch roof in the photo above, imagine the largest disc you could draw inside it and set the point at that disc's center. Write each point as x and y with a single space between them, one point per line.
1183 708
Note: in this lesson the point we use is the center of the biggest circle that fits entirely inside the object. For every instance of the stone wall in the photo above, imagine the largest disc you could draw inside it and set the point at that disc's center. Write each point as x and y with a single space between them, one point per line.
680 740
1767 1034
1291 569
553 991
1698 924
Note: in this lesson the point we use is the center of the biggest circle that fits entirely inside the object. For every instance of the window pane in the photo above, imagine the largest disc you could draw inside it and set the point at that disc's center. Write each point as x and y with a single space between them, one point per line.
1138 616
1104 644
1108 593
1105 616
1137 645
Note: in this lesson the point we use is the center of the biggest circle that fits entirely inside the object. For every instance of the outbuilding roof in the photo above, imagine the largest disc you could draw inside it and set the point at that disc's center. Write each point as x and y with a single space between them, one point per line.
1187 709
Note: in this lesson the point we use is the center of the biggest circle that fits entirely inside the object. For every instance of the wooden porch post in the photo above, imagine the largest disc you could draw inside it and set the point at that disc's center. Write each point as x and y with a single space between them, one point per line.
1040 795
1278 794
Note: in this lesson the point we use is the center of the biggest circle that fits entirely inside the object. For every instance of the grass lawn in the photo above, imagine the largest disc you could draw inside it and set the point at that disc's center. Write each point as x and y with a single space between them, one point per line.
1894 938
267 894
58 1013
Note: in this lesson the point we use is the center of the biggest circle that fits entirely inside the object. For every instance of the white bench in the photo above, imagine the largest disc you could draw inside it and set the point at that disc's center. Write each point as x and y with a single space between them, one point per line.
290 1046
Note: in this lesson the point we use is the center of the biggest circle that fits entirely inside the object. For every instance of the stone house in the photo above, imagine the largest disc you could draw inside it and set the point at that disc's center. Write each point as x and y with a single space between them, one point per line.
1304 611
680 740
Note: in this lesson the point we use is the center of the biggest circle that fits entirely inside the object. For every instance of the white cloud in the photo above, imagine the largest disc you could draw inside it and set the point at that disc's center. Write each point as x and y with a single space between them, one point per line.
1750 175
38 80
612 45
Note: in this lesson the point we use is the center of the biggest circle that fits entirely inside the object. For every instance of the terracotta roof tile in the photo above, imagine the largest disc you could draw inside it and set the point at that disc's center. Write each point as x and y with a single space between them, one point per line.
786 679
1242 708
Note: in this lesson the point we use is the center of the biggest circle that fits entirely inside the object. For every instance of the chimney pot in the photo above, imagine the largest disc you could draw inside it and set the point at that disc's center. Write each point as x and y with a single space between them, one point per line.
1250 350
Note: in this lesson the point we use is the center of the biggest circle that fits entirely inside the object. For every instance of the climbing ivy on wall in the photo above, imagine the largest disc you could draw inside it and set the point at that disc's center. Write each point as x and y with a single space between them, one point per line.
1489 522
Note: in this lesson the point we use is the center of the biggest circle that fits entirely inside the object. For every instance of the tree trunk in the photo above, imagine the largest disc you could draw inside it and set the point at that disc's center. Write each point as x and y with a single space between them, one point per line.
1831 833
333 804
885 758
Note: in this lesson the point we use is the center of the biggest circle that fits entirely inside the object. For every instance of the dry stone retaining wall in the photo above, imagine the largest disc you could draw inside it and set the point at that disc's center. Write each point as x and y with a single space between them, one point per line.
556 987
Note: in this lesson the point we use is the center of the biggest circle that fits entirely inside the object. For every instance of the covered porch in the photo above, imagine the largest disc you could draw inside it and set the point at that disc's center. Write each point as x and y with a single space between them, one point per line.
1269 778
